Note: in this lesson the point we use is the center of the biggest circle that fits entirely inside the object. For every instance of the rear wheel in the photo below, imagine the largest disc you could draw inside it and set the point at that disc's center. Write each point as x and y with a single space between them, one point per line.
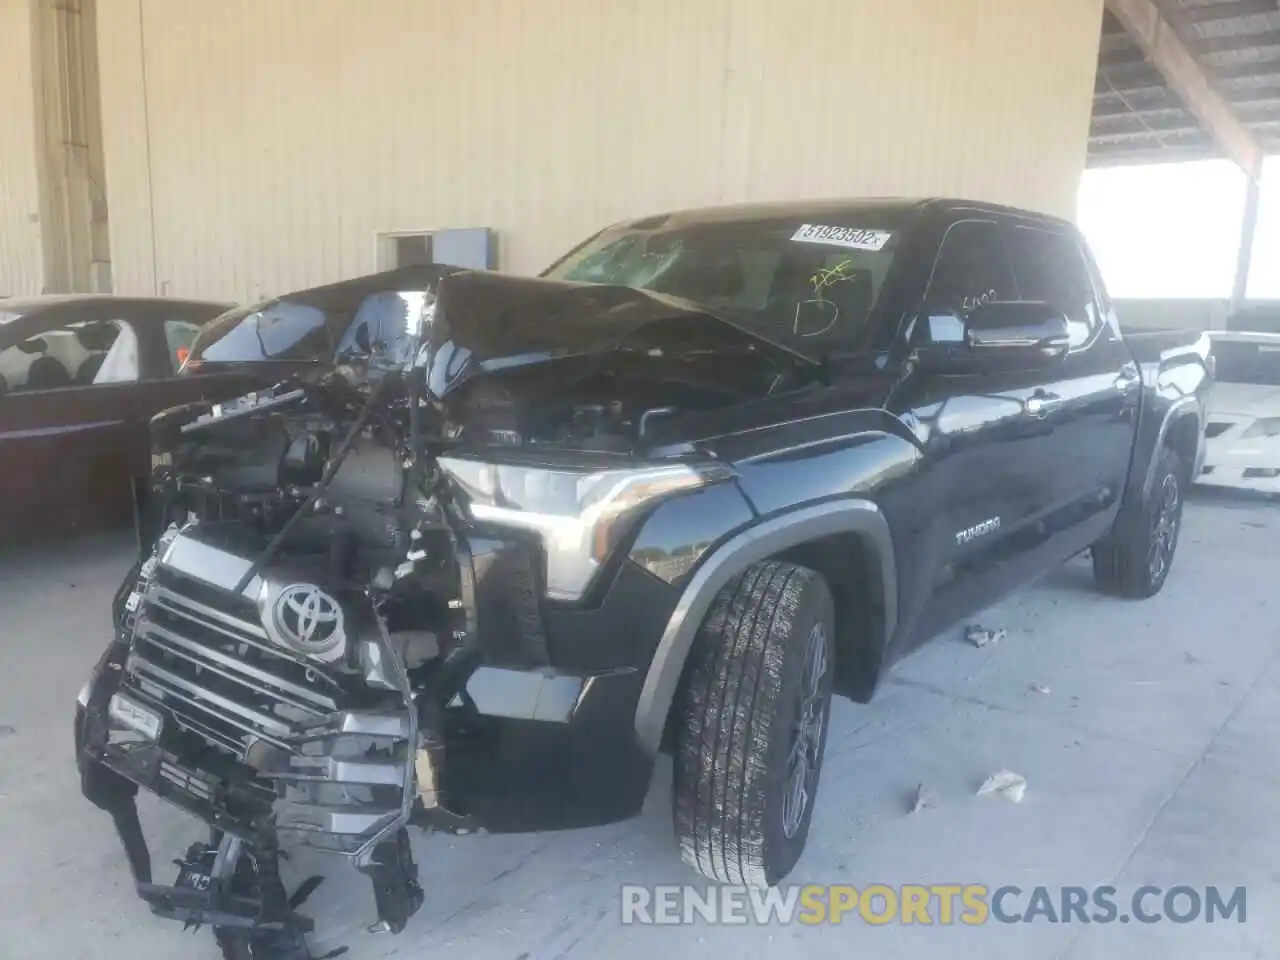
753 725
1134 560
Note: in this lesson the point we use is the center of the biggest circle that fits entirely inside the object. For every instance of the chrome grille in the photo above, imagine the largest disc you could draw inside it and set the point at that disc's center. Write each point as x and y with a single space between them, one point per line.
186 781
331 776
218 674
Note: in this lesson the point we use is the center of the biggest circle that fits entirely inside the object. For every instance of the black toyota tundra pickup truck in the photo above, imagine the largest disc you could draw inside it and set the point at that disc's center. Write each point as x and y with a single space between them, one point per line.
491 544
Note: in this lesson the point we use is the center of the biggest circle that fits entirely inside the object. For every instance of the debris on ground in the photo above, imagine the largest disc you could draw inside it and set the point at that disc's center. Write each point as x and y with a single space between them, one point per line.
1007 783
1040 688
980 636
922 798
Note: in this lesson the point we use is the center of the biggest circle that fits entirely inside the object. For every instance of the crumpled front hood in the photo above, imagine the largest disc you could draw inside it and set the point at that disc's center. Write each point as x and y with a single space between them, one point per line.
488 322
457 325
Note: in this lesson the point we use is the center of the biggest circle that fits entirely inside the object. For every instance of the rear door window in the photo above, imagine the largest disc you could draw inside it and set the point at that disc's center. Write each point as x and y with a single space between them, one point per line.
78 354
1050 268
120 363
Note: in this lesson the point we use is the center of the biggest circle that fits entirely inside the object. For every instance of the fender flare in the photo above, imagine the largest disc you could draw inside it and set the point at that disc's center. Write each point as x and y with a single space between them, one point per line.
1186 406
731 558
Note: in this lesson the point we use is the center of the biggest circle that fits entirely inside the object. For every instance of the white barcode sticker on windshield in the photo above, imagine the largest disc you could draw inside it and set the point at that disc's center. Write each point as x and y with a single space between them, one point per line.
851 237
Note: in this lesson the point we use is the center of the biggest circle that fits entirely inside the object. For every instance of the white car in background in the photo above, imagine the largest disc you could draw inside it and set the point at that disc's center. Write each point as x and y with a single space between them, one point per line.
1242 448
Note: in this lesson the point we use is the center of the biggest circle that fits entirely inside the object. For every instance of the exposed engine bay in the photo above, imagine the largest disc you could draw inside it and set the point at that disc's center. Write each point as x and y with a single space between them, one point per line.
297 654
623 407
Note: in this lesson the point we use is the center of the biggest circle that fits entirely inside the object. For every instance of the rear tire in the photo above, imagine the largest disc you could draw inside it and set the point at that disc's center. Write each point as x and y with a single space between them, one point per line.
753 725
1135 558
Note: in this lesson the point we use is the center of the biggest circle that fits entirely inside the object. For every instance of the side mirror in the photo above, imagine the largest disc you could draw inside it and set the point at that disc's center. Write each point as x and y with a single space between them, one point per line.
1003 335
1033 328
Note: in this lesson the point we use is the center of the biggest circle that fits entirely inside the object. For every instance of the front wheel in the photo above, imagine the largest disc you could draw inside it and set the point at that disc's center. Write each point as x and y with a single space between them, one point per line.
1134 560
753 725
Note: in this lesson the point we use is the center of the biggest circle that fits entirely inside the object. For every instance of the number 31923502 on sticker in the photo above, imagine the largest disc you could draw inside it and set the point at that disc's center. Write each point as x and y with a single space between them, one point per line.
851 237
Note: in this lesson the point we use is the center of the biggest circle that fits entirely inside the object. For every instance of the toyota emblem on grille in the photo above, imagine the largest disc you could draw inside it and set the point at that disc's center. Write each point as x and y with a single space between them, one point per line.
309 620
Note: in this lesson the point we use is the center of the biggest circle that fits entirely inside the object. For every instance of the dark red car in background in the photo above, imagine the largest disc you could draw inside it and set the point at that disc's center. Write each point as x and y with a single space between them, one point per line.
80 377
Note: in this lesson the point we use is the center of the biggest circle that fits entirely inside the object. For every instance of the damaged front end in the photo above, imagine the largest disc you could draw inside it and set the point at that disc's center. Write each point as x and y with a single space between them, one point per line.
246 709
340 625
282 647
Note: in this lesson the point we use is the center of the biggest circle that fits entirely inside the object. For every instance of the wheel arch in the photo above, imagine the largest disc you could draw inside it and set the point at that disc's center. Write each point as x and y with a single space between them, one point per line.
1183 438
1182 429
827 536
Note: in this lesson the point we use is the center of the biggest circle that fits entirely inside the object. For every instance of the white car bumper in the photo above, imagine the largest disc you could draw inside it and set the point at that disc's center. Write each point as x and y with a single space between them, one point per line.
1233 460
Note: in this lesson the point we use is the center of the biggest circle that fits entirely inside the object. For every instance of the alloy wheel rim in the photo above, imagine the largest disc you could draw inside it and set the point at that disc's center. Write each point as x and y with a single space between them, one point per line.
1165 529
806 734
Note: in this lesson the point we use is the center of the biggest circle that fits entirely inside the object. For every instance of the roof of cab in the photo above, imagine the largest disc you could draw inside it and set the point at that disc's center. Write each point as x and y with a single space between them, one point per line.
819 208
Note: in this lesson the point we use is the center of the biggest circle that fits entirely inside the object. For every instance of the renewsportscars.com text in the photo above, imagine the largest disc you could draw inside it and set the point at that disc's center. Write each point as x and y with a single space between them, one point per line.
944 904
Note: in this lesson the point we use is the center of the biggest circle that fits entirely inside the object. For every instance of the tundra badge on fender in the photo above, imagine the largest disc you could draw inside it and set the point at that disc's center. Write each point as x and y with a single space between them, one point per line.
981 530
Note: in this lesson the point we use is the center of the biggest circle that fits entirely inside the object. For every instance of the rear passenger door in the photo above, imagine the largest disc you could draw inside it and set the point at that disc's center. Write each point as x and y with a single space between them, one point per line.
1093 401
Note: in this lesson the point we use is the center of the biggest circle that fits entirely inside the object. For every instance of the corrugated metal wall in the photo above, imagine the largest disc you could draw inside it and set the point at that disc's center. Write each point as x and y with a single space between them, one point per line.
21 259
255 147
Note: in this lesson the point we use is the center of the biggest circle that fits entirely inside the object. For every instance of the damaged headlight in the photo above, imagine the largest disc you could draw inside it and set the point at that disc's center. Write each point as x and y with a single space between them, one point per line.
580 515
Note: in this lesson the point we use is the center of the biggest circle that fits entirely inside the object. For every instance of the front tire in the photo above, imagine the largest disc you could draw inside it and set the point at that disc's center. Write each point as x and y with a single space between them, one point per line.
1134 560
753 725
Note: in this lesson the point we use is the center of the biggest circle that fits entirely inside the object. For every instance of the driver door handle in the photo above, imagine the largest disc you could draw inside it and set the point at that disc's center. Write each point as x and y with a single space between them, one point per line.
1041 403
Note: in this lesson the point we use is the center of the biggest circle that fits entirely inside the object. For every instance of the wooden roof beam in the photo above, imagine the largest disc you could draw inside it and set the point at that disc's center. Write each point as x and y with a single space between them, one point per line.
1184 75
1230 10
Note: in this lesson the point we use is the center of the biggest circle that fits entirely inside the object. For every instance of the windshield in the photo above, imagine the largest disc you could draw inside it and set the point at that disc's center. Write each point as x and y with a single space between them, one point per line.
282 330
384 324
1260 319
809 286
1246 362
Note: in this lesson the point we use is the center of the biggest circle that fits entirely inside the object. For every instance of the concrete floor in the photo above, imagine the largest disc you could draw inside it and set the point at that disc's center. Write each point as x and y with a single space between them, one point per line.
1151 760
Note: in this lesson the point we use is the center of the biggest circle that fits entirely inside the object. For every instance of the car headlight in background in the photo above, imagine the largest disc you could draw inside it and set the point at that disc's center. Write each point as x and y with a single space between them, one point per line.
579 515
1266 427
